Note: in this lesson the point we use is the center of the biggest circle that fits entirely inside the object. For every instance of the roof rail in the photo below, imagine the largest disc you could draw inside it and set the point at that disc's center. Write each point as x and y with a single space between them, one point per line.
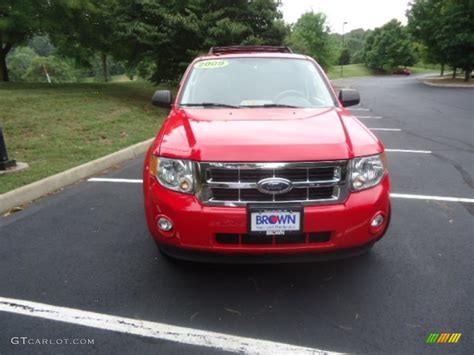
244 49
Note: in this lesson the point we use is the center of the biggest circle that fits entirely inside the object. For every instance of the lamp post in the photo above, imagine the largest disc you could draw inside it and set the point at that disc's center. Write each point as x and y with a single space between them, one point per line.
343 24
5 162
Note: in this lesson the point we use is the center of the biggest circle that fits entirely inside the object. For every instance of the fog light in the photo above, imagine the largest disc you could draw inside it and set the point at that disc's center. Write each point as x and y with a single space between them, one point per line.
377 221
165 224
185 185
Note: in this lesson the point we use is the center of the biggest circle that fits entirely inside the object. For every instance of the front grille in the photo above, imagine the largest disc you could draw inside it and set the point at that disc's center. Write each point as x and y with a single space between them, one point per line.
246 239
251 175
297 194
236 184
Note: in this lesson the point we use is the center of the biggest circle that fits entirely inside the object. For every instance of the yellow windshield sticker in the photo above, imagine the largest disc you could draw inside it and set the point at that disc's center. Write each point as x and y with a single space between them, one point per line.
211 64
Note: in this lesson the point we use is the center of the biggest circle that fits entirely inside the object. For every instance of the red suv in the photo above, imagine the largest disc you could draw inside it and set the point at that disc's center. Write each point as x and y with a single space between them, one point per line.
259 161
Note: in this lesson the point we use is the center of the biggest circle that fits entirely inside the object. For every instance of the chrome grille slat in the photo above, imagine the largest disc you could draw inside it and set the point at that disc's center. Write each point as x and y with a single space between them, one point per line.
253 185
238 174
235 184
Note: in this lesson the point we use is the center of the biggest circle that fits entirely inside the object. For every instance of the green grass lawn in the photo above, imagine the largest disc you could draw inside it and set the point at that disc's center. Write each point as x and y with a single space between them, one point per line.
112 79
54 127
353 70
349 70
422 70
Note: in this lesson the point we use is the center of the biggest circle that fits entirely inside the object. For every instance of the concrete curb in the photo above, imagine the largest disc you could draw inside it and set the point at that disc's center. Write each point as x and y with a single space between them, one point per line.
53 183
447 85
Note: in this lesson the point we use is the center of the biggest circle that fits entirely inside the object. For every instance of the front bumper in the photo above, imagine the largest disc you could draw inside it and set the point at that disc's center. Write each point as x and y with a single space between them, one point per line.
196 226
280 258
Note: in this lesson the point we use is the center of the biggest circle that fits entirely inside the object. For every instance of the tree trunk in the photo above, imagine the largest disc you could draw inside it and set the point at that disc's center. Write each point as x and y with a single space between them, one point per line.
467 74
454 73
104 66
442 70
3 62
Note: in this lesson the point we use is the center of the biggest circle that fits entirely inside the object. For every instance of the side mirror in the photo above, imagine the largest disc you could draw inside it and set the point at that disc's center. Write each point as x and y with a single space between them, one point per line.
161 98
349 97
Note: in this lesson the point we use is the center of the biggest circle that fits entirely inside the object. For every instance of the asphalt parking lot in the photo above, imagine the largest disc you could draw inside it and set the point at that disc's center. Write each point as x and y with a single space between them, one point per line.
87 248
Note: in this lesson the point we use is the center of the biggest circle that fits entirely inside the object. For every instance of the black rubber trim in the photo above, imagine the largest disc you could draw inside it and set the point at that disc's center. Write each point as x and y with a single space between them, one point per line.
209 257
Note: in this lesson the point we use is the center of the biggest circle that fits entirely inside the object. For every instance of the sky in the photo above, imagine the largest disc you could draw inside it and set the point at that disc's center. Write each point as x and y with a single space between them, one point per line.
366 14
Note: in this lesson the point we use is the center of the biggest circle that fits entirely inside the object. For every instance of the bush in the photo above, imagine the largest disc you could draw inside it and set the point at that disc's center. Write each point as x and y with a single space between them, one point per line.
25 65
357 57
344 57
42 46
19 61
60 70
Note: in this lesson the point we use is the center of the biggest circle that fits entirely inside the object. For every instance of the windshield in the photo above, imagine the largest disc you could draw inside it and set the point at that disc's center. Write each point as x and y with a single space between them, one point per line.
256 82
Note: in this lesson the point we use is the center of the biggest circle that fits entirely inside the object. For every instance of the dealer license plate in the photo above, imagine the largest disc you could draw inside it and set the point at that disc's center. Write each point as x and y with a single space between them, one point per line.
275 221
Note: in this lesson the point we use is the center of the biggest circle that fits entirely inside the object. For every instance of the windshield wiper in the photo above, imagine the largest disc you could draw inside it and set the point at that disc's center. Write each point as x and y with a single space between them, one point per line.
207 104
280 105
270 105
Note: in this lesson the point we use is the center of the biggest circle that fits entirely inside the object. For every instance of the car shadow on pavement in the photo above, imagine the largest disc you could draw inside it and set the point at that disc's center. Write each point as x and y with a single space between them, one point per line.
254 288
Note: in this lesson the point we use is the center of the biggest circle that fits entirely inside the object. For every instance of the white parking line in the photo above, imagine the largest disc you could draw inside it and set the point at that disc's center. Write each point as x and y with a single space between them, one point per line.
434 198
220 341
359 109
409 151
129 181
374 117
386 129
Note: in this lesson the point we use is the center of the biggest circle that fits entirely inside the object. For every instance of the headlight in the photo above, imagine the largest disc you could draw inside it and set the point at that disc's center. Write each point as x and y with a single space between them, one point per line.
367 171
174 174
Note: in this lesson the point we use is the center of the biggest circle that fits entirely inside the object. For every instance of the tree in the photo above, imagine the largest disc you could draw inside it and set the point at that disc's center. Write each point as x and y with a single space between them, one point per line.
424 20
353 41
169 34
357 56
388 47
19 19
231 22
164 33
85 31
310 35
446 28
344 57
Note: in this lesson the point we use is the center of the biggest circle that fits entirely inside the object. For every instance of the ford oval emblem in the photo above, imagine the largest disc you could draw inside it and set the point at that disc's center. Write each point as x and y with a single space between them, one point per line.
274 186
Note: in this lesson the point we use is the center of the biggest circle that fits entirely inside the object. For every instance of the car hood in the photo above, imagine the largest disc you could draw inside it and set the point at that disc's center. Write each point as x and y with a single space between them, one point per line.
254 134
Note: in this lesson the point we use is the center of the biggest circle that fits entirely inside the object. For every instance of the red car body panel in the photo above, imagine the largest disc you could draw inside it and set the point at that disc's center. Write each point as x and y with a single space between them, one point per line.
262 135
196 225
256 135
